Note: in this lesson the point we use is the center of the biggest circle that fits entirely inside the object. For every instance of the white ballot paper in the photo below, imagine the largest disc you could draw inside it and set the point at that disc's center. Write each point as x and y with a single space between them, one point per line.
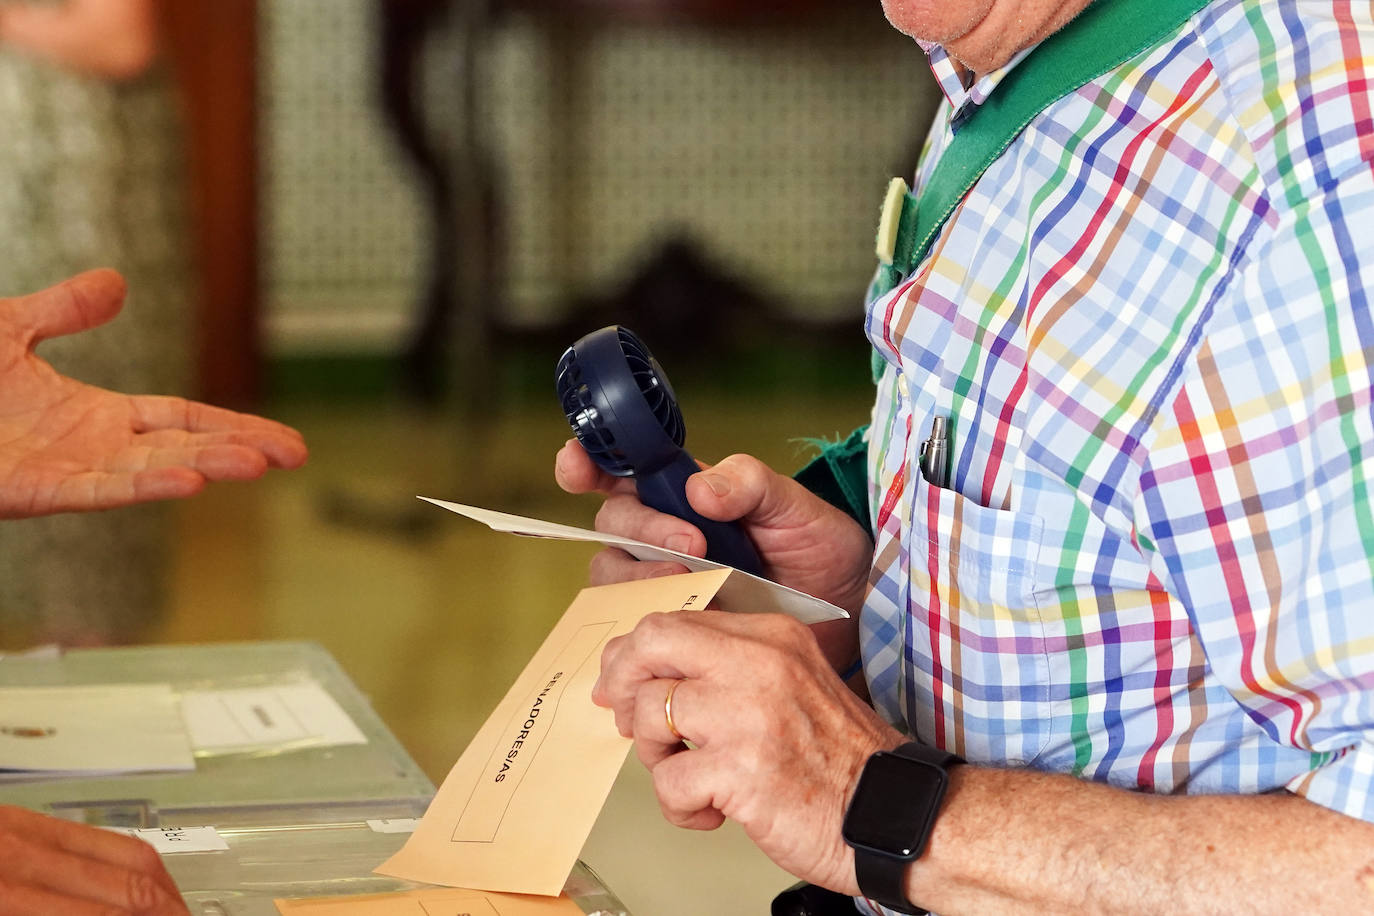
274 716
741 592
91 730
516 808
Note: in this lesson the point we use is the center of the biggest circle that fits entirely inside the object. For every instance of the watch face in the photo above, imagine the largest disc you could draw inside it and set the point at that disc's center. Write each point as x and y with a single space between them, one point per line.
894 805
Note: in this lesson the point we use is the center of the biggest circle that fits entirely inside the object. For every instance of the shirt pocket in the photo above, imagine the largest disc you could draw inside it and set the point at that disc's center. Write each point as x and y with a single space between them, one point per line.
975 647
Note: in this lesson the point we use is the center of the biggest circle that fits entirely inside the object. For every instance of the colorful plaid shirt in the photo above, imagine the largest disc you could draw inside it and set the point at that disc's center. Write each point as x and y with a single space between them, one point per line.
1149 324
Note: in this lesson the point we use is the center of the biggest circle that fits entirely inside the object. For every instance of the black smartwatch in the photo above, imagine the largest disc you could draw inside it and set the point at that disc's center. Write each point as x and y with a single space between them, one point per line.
891 816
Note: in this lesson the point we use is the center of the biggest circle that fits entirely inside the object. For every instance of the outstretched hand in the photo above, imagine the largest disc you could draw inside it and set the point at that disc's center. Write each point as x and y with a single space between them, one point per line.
68 447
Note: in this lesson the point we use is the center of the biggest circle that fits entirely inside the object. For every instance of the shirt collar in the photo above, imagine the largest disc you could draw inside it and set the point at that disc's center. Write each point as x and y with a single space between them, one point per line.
963 96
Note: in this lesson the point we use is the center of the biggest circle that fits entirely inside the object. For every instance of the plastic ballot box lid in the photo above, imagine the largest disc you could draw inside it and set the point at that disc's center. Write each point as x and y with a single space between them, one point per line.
333 749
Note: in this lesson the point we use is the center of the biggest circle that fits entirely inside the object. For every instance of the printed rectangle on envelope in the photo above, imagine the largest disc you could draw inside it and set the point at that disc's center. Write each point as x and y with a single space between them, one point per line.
505 770
516 808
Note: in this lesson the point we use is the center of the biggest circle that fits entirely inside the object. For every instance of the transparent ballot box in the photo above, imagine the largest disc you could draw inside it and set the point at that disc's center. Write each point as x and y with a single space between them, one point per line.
304 772
319 851
260 854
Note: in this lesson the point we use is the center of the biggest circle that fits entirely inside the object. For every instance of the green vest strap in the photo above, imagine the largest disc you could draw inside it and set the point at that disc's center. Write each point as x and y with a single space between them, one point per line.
1105 35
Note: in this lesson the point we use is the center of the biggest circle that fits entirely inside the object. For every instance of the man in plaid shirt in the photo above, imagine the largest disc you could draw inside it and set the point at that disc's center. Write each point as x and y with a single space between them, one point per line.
1140 603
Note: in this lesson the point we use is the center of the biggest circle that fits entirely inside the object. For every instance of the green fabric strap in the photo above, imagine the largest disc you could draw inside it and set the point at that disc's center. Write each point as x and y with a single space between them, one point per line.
1101 38
1105 35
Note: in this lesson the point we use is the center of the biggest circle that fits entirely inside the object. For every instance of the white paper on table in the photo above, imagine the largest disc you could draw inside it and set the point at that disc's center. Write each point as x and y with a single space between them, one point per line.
91 730
741 592
256 718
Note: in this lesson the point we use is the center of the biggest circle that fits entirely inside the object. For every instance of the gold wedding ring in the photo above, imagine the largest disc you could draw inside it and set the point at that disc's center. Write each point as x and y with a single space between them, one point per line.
668 709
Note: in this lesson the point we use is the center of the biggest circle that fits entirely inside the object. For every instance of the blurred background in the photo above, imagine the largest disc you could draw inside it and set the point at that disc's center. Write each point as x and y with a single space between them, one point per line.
382 221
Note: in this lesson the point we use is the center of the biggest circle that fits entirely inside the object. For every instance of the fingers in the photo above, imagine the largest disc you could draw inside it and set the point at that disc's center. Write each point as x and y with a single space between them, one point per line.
151 472
697 644
652 728
26 900
614 565
661 707
83 840
741 486
100 490
84 301
575 472
625 515
602 693
218 456
282 446
215 461
50 866
774 740
683 783
140 475
117 41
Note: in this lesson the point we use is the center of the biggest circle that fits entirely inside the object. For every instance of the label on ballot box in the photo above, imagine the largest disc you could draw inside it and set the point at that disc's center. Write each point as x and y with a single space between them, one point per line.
174 840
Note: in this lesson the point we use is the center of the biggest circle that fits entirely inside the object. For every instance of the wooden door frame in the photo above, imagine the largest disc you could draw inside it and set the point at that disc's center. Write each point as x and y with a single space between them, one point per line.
213 46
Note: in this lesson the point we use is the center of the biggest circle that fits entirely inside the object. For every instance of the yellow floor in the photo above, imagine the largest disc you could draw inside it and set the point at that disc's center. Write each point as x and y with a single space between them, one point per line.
433 615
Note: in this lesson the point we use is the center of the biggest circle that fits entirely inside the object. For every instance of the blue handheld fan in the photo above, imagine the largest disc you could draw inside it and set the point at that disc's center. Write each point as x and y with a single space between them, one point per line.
622 409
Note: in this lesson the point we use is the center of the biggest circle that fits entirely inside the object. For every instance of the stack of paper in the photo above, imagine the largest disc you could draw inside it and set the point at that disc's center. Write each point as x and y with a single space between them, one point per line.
91 731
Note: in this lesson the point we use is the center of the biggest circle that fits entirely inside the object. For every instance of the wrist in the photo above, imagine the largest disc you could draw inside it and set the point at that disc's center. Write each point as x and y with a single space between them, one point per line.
891 818
839 871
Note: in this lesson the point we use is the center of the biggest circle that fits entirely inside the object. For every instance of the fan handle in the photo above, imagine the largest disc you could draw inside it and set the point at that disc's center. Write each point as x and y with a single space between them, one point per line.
666 491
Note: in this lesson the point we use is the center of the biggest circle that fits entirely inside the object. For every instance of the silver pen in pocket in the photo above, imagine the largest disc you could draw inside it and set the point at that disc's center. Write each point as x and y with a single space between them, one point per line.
935 454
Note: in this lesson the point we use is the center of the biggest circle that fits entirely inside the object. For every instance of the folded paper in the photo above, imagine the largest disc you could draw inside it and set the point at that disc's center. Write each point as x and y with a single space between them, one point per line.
516 808
741 592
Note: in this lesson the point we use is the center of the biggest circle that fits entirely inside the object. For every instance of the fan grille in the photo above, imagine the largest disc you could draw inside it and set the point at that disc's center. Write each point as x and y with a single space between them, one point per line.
576 400
579 407
657 394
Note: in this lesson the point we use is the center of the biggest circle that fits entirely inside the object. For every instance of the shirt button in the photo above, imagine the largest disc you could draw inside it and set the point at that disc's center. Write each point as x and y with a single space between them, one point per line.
903 387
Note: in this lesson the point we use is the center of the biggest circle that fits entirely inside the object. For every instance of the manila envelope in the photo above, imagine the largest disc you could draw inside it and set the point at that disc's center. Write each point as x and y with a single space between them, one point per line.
516 809
430 902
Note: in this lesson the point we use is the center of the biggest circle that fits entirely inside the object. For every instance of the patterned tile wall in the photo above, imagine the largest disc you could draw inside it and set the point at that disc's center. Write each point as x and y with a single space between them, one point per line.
770 146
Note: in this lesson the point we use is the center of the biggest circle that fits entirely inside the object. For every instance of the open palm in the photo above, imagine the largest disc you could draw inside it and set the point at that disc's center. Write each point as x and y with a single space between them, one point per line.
66 446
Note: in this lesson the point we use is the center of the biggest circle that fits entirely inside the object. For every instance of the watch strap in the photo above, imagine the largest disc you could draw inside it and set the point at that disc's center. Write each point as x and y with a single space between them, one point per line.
882 879
915 750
